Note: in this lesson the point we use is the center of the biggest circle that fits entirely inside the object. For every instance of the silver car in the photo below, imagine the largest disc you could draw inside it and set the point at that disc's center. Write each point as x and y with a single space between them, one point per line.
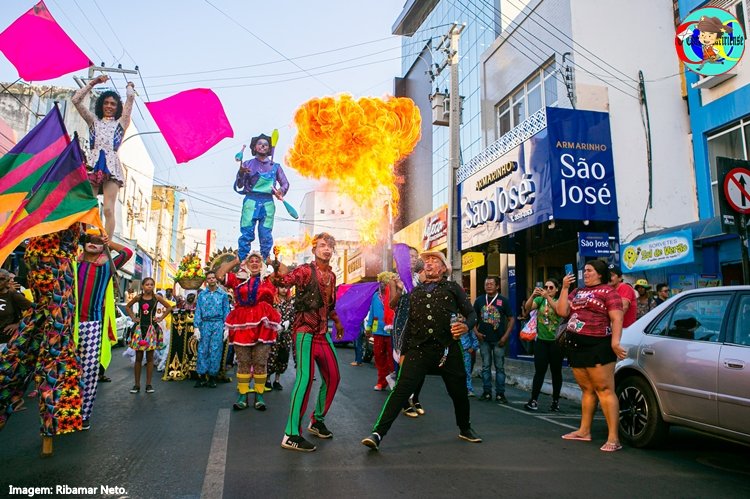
688 364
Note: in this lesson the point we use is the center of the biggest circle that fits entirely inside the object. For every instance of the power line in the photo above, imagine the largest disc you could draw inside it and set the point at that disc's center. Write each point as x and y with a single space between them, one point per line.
91 46
114 33
268 45
269 75
96 31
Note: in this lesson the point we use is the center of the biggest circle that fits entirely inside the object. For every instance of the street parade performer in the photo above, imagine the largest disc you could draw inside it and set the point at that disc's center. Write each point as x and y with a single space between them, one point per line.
106 131
96 309
253 325
314 302
257 179
44 345
431 345
211 311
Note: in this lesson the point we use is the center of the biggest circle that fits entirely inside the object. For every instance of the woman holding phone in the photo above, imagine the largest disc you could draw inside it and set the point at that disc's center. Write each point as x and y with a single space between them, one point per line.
547 352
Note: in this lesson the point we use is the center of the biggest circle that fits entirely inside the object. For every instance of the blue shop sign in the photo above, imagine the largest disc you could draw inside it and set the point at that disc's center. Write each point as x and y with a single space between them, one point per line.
593 244
562 171
675 248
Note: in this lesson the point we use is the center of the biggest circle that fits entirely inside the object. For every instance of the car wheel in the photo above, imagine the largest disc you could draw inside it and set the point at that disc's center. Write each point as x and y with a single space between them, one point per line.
641 424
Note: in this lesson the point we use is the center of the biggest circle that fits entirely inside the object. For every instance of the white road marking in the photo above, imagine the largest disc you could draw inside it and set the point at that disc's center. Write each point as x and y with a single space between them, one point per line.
549 418
213 482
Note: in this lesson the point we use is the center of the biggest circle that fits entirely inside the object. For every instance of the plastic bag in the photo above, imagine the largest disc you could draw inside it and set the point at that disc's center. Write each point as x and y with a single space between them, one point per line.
528 332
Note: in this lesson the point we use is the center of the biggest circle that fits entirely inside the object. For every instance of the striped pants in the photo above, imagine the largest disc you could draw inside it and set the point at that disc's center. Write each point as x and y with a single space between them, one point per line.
89 346
313 349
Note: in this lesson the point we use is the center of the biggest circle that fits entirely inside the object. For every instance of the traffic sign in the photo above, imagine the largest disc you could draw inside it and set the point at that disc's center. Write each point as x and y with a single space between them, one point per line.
737 189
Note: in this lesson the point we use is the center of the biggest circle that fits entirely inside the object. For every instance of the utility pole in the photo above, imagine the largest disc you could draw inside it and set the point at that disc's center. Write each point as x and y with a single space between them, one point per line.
454 127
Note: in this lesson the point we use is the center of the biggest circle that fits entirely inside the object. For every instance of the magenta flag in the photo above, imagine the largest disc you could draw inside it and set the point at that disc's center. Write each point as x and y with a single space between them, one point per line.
39 48
192 122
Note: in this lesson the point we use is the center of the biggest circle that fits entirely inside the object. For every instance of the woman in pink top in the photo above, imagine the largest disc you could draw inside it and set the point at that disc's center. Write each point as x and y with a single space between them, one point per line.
595 318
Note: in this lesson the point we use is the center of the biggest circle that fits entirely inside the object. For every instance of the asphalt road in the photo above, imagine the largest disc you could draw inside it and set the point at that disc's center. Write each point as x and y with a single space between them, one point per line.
182 442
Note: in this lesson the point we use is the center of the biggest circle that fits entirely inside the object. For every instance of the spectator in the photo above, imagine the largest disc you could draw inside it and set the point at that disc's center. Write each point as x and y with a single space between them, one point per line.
645 303
626 292
662 293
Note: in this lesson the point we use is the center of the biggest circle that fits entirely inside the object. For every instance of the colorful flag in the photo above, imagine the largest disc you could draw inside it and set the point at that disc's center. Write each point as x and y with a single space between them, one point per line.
43 185
192 122
352 307
39 48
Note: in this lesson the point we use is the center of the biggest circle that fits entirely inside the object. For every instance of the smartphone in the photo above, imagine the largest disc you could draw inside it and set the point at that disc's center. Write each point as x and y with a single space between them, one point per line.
568 268
539 284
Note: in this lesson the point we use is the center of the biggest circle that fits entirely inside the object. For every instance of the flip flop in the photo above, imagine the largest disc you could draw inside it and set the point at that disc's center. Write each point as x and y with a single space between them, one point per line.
575 436
610 447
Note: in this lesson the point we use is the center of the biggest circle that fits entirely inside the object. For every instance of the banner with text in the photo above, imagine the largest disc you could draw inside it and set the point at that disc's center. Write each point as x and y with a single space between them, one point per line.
565 171
675 248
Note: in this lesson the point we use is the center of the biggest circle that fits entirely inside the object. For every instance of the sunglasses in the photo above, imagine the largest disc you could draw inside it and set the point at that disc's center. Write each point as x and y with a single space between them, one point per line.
549 287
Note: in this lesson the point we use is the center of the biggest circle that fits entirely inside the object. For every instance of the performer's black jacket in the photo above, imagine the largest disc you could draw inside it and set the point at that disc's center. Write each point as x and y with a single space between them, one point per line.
430 309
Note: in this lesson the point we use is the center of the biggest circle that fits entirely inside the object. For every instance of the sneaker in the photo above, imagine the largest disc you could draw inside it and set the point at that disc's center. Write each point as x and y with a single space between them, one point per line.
319 429
418 407
269 386
555 407
200 383
486 396
373 441
277 386
410 412
241 403
211 382
135 389
472 394
469 435
86 425
500 397
378 388
260 404
531 405
297 442
391 380
149 389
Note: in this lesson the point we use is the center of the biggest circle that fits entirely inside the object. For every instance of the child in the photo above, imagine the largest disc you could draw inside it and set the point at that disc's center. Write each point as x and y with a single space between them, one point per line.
148 336
469 345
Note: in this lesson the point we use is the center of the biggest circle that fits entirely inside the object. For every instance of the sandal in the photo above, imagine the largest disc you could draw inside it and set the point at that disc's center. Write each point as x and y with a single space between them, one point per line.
610 447
575 436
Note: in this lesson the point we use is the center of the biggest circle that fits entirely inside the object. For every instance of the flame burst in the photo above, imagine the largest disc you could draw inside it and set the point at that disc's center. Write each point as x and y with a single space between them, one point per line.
356 144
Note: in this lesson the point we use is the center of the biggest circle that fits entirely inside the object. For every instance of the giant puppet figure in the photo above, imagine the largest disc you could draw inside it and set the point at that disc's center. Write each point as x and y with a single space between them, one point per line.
257 179
96 310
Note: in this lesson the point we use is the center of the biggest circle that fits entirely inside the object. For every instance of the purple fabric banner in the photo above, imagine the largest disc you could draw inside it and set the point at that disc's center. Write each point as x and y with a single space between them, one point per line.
403 265
353 306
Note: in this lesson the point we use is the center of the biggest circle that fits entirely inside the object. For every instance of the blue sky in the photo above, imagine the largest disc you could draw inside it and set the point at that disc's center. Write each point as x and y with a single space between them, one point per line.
168 38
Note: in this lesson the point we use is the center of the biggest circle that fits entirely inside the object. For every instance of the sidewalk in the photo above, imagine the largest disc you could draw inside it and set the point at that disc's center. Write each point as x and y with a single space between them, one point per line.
520 373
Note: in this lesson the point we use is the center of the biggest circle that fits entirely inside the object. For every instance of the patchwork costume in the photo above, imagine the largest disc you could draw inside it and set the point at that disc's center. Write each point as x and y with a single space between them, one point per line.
44 345
96 313
257 180
314 302
210 313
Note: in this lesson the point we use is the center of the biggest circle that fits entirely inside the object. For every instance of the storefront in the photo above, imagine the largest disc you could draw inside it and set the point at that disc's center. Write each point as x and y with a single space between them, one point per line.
525 201
428 233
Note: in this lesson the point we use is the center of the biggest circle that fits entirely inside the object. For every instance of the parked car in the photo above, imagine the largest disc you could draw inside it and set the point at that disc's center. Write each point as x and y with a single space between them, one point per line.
124 323
688 364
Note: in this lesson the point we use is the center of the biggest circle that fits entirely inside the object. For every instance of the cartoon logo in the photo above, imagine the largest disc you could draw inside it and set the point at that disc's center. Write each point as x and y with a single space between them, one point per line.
630 256
710 41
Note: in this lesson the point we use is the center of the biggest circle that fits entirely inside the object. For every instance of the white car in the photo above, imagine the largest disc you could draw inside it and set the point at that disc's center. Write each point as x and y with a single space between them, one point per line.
123 322
688 364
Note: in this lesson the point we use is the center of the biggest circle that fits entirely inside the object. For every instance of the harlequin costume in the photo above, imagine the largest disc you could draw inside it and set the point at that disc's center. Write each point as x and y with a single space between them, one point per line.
96 313
256 180
314 301
253 326
44 345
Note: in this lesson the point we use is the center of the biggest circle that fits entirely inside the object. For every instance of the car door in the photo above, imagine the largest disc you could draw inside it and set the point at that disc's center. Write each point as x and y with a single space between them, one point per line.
680 356
734 370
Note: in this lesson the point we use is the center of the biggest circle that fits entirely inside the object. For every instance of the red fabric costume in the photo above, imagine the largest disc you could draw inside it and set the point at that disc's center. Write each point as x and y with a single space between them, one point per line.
253 320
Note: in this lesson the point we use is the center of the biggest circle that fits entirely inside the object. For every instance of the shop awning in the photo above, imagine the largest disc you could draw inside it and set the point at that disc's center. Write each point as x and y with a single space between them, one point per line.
705 230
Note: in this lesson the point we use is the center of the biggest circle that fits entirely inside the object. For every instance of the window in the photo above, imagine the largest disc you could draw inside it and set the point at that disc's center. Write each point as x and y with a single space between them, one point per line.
740 334
322 211
538 91
697 318
732 142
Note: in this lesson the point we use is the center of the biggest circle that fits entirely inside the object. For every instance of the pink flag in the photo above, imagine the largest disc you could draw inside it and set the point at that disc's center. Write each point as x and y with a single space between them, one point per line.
192 122
39 48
